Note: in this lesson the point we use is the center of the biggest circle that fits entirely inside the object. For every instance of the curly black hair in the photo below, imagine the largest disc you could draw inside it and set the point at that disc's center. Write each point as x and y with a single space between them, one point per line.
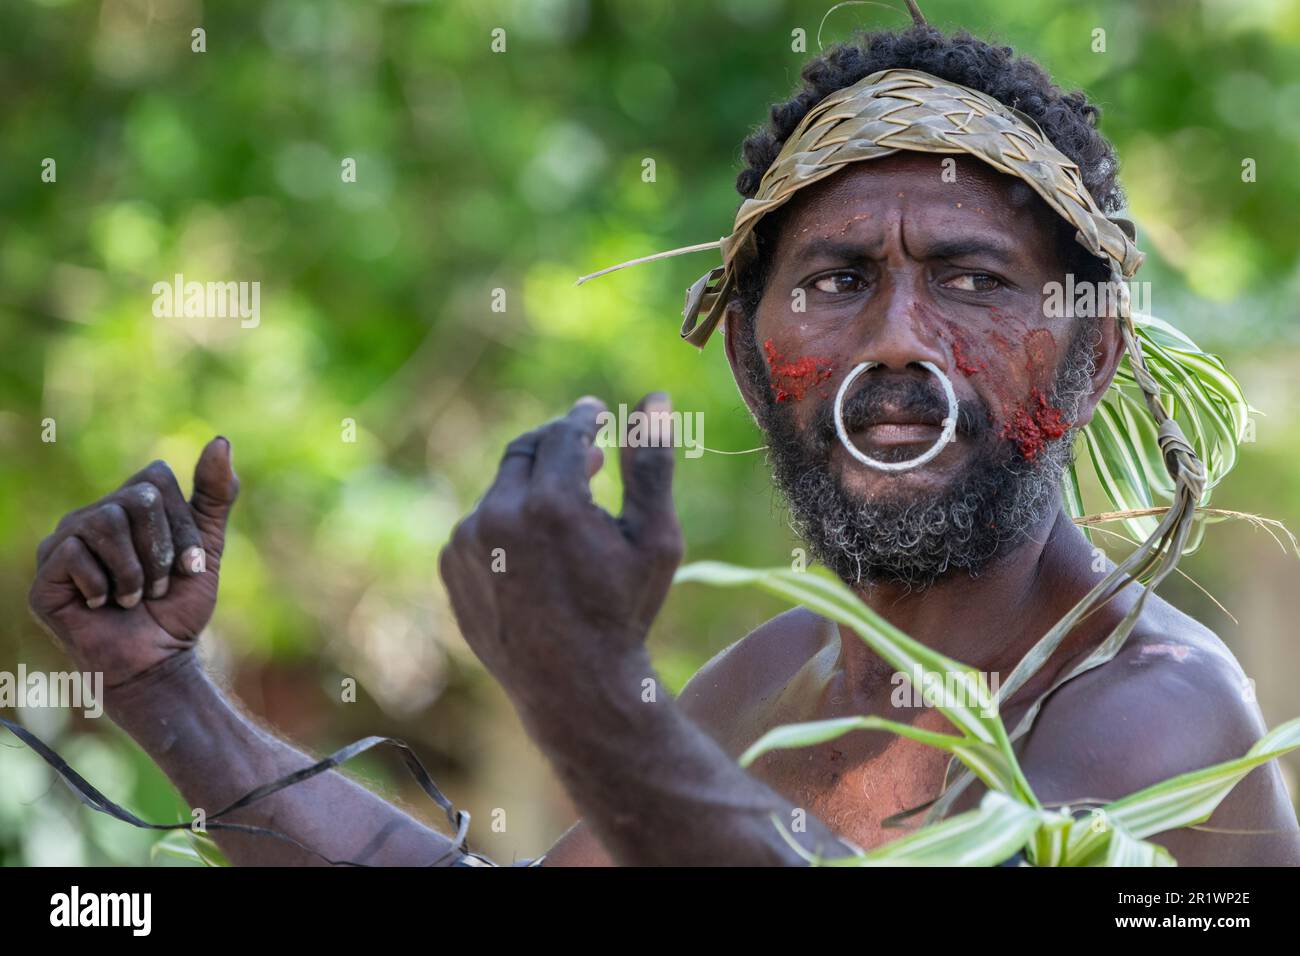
1069 120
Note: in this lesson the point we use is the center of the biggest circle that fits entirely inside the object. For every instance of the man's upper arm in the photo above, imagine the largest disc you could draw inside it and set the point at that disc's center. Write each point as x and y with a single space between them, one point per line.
1159 710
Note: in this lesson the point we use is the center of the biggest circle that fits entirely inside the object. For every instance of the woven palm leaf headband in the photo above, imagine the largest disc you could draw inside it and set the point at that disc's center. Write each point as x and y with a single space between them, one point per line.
895 110
1136 445
898 109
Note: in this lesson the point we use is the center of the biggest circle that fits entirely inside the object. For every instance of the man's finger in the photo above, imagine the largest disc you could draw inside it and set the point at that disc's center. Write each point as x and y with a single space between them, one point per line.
215 489
106 532
562 453
187 543
150 533
72 564
65 528
648 474
517 464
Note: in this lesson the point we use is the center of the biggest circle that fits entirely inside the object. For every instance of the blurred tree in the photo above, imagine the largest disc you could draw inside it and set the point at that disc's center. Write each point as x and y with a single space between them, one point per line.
518 170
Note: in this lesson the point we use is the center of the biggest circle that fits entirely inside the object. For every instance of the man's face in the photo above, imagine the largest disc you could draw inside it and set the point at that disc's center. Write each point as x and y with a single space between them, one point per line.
895 265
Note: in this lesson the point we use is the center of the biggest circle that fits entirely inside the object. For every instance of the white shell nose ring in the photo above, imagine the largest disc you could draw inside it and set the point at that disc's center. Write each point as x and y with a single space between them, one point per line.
949 423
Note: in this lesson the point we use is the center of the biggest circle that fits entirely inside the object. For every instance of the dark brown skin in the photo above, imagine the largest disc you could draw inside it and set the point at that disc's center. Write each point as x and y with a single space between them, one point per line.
84 594
563 629
1171 702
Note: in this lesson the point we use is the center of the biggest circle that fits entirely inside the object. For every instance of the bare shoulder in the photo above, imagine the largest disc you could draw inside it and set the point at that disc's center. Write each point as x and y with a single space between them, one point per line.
725 695
1174 696
1172 701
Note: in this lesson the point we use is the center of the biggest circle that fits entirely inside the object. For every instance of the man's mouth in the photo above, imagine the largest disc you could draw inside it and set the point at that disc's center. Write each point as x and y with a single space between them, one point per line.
896 434
894 422
895 428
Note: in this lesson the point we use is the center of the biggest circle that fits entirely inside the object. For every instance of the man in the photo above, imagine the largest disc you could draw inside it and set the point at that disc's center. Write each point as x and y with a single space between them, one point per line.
970 553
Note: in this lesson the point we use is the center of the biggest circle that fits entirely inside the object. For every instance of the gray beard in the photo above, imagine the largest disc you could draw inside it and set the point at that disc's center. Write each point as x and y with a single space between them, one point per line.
990 509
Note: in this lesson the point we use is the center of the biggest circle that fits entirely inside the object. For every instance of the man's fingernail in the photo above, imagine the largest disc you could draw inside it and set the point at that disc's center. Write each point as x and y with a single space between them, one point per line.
158 588
98 602
195 560
131 600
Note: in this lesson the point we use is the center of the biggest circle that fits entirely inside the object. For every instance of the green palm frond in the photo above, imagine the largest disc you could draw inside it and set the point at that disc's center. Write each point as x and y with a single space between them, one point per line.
1190 798
986 761
1010 818
1120 441
965 699
196 848
986 836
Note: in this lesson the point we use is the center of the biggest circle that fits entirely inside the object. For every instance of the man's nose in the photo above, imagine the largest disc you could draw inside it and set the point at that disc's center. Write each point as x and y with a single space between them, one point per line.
900 325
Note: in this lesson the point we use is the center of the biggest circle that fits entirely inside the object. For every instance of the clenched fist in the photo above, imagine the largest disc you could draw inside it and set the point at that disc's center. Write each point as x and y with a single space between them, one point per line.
126 582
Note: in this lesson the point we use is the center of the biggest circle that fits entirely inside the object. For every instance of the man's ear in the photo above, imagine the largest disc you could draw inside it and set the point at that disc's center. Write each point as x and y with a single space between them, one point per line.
733 323
1106 354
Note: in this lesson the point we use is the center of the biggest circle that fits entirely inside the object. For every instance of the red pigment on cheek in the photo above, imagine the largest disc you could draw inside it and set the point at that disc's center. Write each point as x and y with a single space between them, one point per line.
791 380
959 358
963 352
1034 424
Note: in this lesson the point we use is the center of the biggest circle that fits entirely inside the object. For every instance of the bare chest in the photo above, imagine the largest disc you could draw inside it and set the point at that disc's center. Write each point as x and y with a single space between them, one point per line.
857 782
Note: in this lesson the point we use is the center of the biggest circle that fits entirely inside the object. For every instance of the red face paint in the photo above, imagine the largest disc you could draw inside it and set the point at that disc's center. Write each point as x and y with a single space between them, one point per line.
792 379
1034 424
964 365
923 317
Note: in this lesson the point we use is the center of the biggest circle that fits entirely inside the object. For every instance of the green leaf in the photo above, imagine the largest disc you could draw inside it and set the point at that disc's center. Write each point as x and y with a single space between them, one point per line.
1120 468
985 760
1190 798
1124 849
1187 799
1112 845
971 708
1050 840
189 846
986 836
1009 817
1197 391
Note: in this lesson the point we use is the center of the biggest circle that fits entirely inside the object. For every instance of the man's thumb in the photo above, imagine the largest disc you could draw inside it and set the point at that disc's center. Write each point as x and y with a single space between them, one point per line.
215 484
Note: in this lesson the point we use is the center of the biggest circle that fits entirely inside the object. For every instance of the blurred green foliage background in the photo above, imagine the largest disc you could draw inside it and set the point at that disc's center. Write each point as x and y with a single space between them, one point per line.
520 171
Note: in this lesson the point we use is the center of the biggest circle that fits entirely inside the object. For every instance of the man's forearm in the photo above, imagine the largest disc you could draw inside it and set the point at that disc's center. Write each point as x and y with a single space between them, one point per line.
214 755
656 789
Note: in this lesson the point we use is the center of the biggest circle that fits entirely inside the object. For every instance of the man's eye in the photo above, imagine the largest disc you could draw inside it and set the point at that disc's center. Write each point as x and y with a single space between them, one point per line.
973 282
839 282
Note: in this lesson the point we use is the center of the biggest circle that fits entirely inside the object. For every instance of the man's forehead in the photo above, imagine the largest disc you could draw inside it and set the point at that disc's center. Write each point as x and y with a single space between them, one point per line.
920 183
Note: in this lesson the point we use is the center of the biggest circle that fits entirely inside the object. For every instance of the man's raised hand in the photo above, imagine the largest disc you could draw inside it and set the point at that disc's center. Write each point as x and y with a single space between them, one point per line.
550 590
128 581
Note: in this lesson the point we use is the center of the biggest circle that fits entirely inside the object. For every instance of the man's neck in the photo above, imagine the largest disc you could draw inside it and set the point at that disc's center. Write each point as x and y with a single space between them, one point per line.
991 620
